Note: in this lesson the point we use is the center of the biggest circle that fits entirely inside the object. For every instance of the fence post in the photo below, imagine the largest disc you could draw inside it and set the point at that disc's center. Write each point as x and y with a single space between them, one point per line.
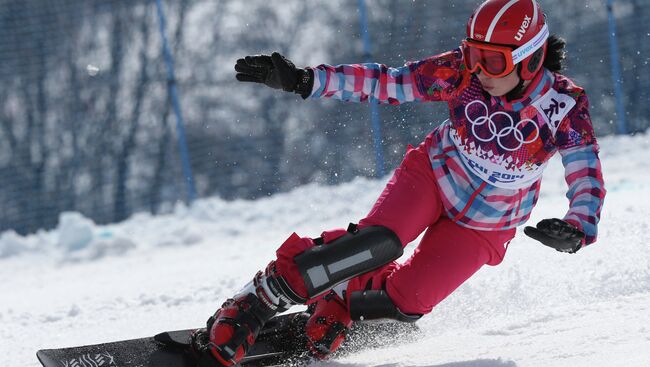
621 126
180 124
374 108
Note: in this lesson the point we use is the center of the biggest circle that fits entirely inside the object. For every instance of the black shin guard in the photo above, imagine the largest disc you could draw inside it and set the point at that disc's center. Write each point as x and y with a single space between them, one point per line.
375 304
357 252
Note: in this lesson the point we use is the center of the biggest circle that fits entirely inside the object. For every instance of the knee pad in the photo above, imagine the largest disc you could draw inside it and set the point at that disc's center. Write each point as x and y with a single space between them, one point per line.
376 304
356 252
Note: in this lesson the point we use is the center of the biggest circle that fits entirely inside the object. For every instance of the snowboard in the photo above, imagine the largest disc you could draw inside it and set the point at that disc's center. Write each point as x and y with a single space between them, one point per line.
280 342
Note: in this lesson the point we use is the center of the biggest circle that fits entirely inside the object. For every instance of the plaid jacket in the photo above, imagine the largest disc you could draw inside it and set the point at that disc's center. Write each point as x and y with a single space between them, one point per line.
489 155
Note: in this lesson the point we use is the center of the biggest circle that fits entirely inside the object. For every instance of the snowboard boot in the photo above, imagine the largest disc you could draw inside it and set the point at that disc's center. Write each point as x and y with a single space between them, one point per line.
328 325
235 326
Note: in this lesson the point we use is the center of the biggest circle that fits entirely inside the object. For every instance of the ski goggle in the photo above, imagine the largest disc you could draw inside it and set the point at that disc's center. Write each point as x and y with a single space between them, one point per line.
494 60
497 61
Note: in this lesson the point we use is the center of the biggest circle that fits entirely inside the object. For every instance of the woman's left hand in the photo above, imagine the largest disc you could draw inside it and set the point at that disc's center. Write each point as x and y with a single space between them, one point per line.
558 234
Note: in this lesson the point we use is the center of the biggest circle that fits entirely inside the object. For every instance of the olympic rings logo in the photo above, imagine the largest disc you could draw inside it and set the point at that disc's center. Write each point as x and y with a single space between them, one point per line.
513 130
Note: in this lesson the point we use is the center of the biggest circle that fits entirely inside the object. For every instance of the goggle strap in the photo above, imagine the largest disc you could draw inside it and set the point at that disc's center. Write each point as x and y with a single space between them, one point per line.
531 46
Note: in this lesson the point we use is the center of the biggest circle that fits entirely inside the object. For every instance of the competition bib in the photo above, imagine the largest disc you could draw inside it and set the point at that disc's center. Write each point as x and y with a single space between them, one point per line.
501 147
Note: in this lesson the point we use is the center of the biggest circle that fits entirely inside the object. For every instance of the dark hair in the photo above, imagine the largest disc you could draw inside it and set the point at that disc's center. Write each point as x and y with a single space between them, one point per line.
555 53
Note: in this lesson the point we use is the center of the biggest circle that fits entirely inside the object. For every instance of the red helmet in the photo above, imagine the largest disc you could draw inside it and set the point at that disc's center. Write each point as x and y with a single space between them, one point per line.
519 24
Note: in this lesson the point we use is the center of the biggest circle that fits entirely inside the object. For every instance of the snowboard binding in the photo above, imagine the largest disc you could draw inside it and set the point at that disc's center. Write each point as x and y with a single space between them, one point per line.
231 331
327 326
281 339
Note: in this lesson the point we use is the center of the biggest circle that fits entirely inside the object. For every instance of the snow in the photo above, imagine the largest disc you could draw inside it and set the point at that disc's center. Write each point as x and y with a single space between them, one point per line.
83 283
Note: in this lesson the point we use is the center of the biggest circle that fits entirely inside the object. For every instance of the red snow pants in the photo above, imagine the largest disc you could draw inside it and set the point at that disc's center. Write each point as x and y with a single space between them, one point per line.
447 255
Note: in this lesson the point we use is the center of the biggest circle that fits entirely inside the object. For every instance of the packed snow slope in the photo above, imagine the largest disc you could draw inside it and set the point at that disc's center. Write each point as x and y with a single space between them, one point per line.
83 284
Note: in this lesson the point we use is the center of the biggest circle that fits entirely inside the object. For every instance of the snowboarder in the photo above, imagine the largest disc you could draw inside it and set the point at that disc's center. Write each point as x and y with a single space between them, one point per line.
474 179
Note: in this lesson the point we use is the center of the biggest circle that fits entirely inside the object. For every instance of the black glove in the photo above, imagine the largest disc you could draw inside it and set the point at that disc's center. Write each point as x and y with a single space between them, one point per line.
276 72
557 234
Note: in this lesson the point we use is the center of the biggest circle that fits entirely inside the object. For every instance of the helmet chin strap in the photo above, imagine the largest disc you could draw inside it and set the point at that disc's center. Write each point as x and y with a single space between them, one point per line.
518 91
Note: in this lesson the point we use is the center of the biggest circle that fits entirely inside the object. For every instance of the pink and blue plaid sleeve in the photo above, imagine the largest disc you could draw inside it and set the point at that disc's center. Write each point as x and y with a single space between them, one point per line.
583 174
586 188
432 79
